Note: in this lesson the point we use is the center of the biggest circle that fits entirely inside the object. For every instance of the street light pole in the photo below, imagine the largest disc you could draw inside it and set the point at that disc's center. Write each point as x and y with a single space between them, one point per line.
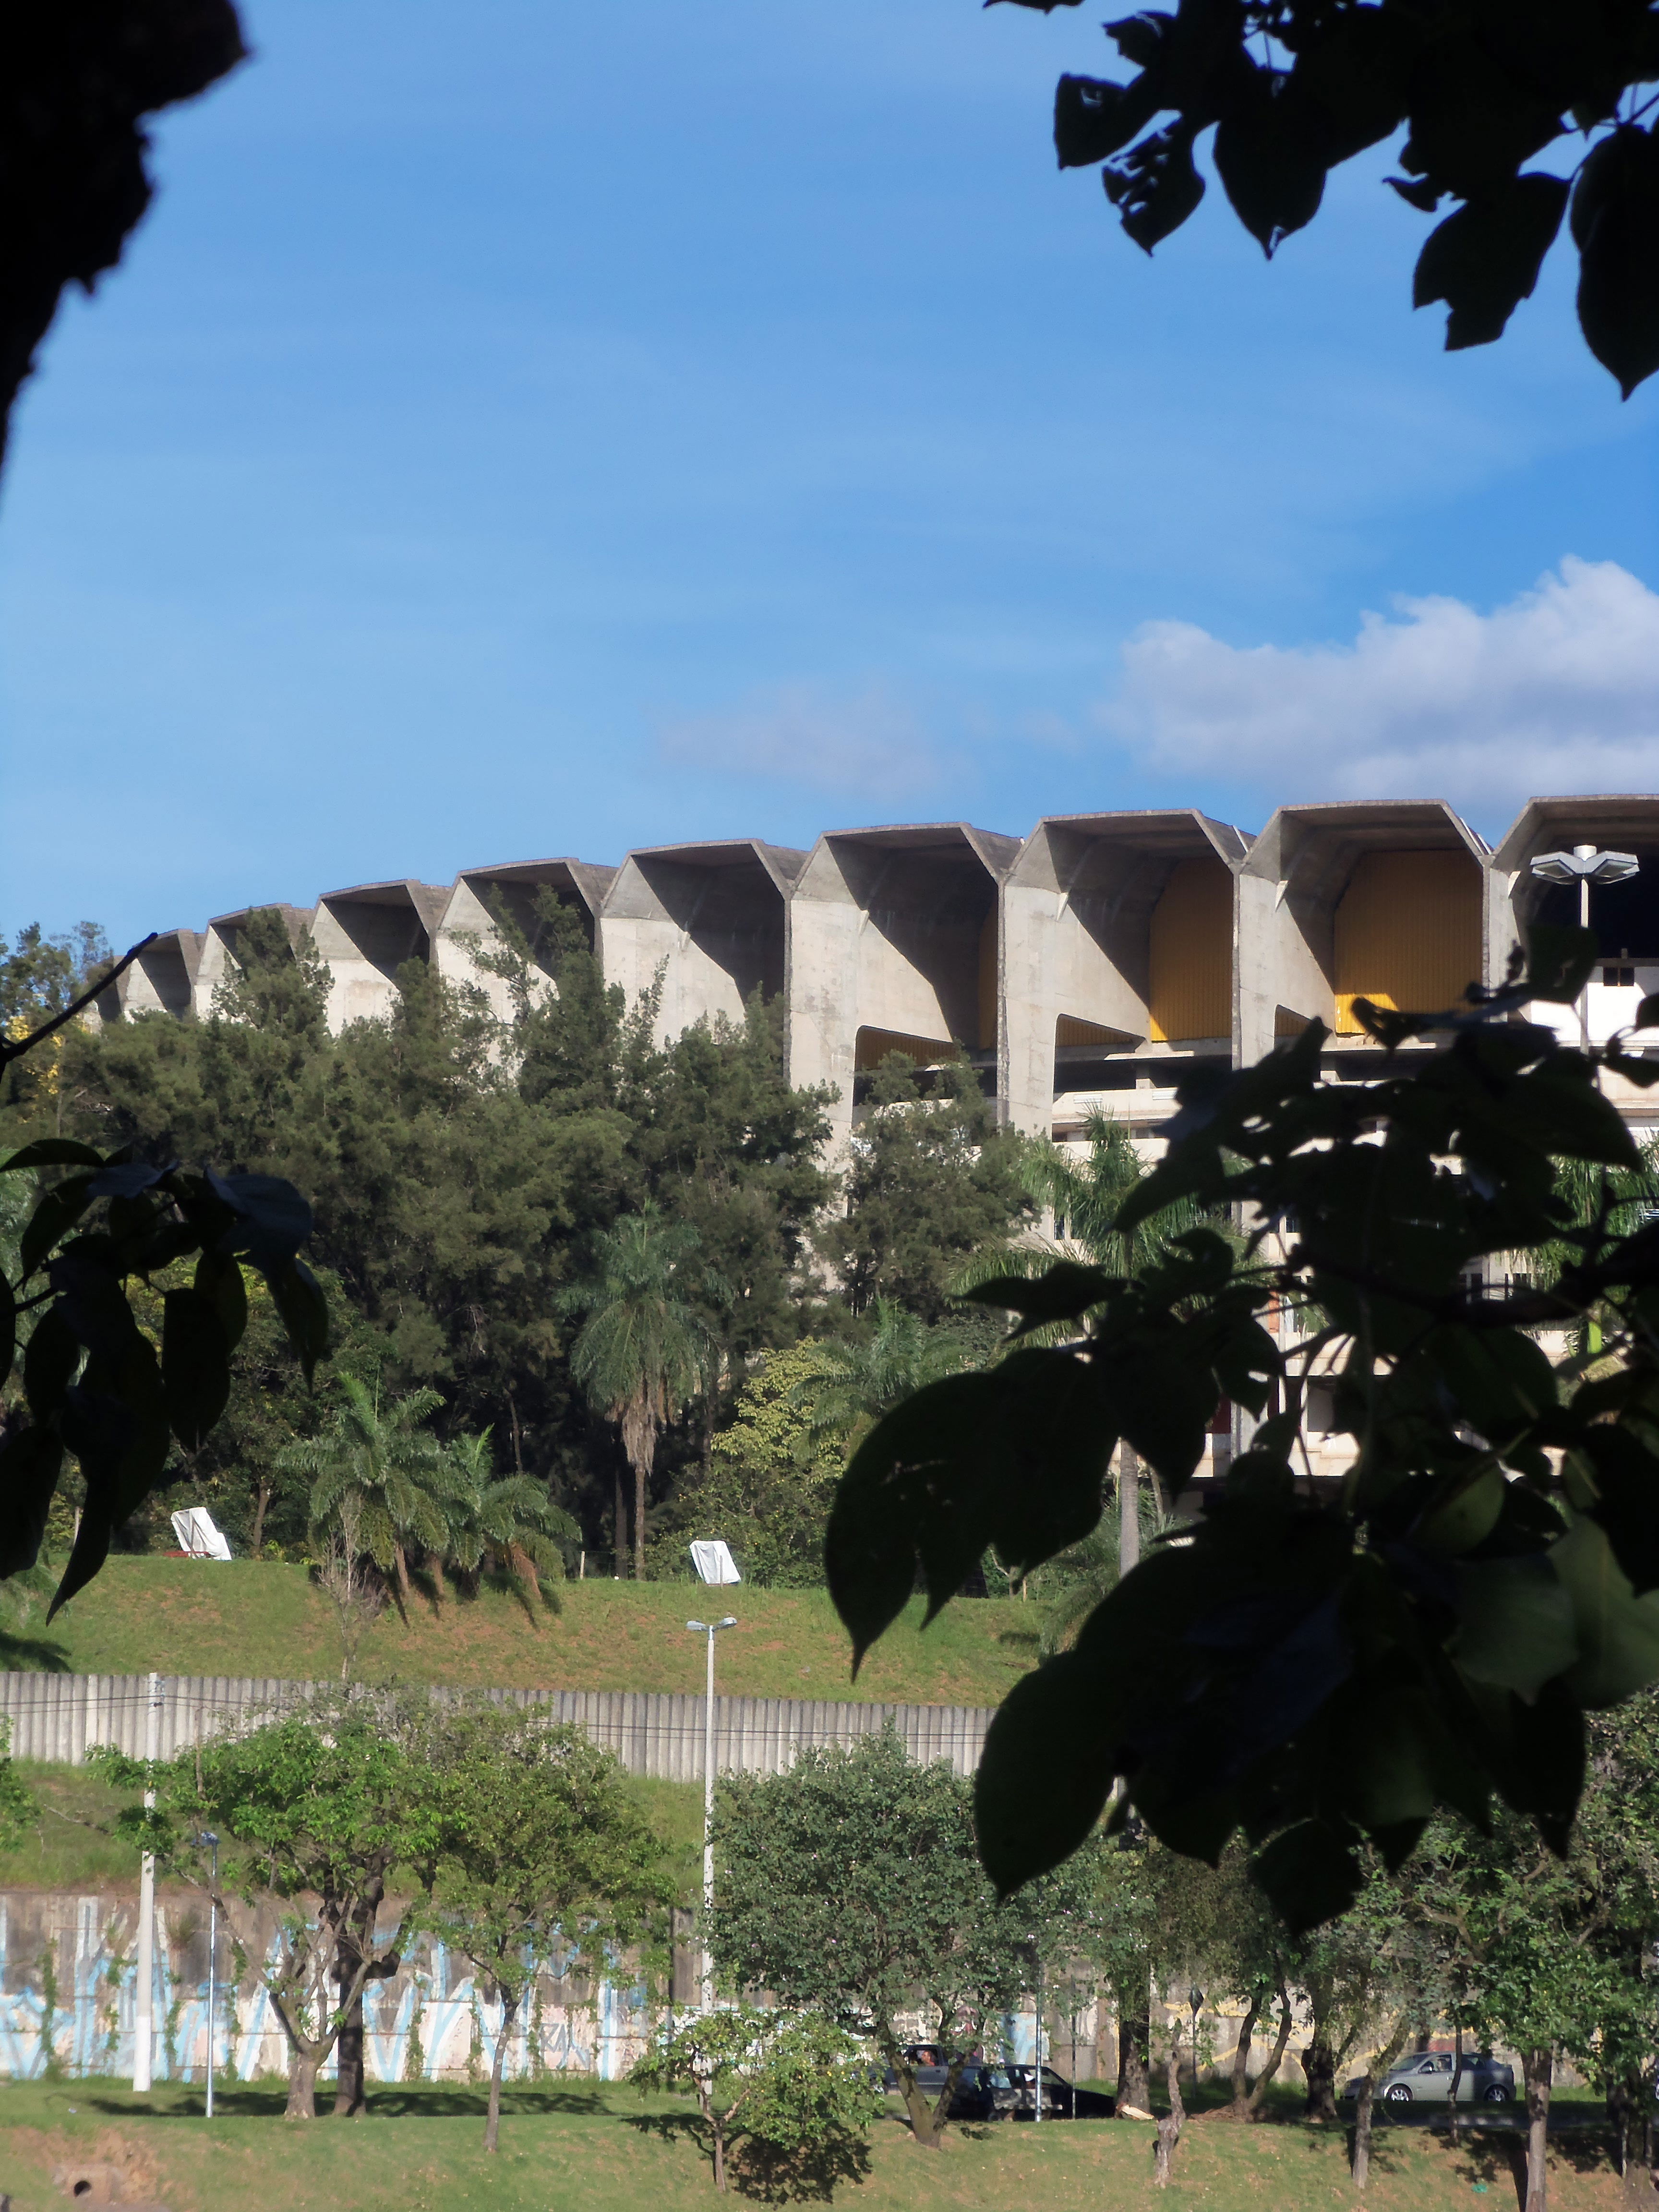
711 1629
1584 866
212 1841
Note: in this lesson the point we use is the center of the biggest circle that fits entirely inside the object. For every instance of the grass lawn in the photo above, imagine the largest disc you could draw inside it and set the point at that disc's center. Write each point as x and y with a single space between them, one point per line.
260 1617
590 2147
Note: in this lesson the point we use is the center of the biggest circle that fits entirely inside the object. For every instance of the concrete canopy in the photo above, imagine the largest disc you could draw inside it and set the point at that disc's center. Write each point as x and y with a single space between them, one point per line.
1110 921
366 933
1328 891
218 946
512 889
894 945
161 980
712 918
1624 916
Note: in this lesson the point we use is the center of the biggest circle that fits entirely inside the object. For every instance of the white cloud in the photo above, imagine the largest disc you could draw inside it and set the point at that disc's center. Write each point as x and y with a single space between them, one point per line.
869 742
1557 691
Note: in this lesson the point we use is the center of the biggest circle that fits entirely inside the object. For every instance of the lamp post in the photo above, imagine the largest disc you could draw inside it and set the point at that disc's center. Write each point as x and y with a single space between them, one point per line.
711 1629
1584 866
208 1838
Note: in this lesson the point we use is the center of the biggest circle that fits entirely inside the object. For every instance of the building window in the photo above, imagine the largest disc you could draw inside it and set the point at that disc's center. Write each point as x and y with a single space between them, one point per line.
1615 977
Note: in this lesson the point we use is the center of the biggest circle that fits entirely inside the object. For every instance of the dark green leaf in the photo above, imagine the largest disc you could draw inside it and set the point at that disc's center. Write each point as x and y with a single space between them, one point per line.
53 1152
1617 1633
1546 1772
300 1301
1647 1014
1559 961
1270 157
7 1327
54 1216
1094 118
1155 187
1310 1874
30 1458
1515 1627
1615 220
1626 1476
1483 260
273 1219
50 1360
1046 1772
219 1279
195 1366
91 1301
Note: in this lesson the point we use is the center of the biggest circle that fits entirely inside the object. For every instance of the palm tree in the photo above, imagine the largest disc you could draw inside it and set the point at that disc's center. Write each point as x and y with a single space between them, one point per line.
856 1381
642 1351
510 1515
377 1471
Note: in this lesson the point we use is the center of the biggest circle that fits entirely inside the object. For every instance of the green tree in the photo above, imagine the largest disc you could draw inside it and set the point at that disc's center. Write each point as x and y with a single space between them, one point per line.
768 1483
17 1805
377 1470
850 1885
933 1181
313 1810
1284 1672
640 1353
792 2082
854 1380
540 1849
1295 87
508 1517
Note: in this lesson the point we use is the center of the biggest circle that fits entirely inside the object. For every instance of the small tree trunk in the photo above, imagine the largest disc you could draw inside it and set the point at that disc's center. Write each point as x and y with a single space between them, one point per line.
493 2123
1538 2069
1241 2074
302 2086
1275 2059
1169 2127
622 1525
1128 1509
1134 2047
927 2121
261 1501
1319 2064
1362 2130
718 2125
351 2099
639 1521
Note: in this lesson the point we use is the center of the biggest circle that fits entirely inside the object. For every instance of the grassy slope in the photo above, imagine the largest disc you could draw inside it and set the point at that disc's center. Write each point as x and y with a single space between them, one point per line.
254 1617
68 1845
588 2147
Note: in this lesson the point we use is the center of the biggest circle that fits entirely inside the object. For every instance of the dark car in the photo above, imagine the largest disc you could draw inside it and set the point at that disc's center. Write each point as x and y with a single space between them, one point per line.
1426 2078
983 2090
1061 2099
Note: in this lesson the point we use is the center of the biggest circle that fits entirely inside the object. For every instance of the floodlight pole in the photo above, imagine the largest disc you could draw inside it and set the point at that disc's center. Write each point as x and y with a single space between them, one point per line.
711 1629
210 1838
143 2006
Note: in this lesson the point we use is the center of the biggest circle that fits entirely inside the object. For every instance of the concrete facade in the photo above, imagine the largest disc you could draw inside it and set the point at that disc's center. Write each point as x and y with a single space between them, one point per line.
1078 968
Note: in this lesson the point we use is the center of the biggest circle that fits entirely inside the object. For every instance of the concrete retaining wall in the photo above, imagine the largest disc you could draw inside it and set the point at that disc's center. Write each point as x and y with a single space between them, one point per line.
61 1718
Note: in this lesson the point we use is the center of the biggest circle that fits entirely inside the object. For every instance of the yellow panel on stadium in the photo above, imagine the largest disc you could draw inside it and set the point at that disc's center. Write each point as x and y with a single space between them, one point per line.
1190 955
1408 934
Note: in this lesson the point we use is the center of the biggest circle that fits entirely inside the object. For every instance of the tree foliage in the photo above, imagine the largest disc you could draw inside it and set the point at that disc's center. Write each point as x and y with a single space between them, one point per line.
933 1179
851 1885
1483 90
1314 1672
792 2083
540 1852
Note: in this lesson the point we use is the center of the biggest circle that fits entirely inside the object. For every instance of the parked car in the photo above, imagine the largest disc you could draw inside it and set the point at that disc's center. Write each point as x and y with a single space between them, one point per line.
983 2092
1426 2078
1061 2099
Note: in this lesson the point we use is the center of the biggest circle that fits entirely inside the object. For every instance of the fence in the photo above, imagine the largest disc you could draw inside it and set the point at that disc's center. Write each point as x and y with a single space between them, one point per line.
61 1718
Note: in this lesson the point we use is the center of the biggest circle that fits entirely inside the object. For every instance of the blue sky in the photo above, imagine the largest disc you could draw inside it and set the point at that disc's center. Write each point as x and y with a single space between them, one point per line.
523 430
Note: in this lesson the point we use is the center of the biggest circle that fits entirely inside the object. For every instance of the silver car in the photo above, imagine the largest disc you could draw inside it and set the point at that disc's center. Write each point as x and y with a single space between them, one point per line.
1426 2078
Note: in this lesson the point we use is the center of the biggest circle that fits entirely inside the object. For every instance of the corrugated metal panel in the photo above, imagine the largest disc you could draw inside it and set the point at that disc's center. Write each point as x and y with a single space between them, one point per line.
1408 934
1191 954
1068 1030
